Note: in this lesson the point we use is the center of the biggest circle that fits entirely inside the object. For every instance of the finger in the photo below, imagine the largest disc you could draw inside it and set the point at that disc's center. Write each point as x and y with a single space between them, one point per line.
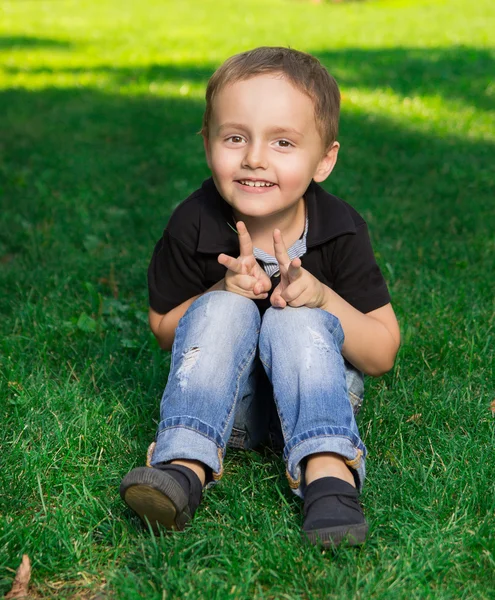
260 295
262 286
264 280
245 283
233 264
267 283
292 292
276 299
278 302
237 265
280 249
245 243
295 270
296 303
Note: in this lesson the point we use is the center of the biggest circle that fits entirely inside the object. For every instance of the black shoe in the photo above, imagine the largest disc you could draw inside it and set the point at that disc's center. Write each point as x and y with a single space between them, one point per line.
332 513
167 496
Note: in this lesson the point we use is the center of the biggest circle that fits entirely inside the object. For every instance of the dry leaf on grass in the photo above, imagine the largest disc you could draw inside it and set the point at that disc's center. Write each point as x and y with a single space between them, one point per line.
492 407
21 580
414 418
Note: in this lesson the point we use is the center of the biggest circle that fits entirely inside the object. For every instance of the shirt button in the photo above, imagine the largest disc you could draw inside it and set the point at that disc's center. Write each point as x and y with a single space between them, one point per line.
276 274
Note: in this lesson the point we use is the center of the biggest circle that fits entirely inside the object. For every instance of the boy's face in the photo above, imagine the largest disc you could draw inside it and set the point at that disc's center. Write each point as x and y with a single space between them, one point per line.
263 146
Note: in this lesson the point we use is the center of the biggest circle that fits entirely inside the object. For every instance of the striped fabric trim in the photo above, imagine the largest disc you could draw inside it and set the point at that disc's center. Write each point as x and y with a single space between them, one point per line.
269 262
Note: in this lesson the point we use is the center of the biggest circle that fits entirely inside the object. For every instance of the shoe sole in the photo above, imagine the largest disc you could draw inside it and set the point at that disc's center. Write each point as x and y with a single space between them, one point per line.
331 537
156 498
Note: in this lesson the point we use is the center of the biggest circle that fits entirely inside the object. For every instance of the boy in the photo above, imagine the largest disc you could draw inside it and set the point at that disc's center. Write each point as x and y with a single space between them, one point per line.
266 289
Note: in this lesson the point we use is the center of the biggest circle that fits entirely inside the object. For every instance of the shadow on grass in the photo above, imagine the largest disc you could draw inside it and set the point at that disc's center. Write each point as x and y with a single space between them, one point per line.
19 42
458 73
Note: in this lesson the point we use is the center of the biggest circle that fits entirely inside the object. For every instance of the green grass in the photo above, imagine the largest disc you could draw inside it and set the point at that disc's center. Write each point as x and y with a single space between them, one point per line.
100 102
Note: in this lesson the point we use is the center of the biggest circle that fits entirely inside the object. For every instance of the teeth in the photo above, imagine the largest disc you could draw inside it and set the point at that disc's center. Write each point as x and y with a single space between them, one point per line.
257 183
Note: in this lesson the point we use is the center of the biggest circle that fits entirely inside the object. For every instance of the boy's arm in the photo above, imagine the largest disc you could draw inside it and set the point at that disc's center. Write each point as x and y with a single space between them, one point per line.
372 340
164 326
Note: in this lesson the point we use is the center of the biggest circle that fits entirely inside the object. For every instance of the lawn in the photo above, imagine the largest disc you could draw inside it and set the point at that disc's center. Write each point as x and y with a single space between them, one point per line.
100 102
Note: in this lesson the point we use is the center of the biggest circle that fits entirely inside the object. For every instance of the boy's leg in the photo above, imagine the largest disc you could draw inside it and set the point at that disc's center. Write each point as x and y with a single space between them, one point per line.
252 416
355 388
212 358
300 349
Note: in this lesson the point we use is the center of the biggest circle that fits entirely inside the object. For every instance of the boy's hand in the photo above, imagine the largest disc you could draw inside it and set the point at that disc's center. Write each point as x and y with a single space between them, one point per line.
244 275
297 286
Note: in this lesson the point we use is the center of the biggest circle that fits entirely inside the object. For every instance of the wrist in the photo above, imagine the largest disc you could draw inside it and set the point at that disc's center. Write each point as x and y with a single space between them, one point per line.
325 296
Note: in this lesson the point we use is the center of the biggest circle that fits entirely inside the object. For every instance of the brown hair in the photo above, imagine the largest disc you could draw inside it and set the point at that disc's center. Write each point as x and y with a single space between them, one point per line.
304 71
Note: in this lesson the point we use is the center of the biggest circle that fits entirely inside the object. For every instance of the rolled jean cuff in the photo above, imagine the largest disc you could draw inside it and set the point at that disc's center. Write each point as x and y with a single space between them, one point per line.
191 439
343 442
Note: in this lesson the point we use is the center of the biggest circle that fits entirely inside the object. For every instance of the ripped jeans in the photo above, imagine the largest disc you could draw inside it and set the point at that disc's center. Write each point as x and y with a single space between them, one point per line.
229 366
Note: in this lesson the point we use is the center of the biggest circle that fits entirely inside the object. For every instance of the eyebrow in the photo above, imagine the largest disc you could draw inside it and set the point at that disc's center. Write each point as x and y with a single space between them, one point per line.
231 126
290 130
279 130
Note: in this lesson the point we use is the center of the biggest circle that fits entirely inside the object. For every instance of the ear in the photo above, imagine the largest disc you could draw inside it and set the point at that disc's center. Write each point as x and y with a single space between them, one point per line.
206 144
327 163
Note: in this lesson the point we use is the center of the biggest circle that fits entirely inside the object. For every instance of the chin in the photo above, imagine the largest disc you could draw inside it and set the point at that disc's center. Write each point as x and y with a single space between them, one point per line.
248 211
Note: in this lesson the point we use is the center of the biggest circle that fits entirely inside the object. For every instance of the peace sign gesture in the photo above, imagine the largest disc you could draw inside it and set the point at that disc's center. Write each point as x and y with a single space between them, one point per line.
297 286
244 275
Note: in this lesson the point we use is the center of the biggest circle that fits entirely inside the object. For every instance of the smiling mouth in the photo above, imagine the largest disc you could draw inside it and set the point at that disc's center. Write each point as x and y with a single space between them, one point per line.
251 183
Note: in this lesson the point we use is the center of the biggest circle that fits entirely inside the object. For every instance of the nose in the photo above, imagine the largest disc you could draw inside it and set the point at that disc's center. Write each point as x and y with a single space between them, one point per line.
255 156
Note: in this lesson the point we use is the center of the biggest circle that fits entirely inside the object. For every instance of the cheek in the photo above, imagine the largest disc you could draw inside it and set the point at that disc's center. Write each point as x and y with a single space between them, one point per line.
295 172
222 161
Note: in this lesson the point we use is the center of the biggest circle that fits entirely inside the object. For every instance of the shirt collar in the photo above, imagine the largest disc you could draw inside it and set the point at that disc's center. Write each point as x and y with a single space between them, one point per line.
328 216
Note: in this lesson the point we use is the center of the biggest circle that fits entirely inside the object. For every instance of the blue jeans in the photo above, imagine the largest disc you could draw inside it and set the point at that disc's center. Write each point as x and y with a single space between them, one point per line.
229 366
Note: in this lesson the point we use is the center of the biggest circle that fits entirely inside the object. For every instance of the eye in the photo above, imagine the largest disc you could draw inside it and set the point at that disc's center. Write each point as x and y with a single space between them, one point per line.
235 139
284 144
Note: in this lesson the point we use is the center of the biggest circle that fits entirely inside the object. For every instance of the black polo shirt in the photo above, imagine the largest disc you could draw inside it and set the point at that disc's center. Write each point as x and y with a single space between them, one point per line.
339 252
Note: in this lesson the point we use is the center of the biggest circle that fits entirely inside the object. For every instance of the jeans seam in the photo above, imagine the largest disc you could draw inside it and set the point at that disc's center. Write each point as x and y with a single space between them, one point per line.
324 435
265 364
282 422
336 327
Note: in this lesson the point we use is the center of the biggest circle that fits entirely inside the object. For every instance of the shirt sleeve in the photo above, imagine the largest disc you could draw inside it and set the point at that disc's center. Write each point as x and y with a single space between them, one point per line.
174 274
357 277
